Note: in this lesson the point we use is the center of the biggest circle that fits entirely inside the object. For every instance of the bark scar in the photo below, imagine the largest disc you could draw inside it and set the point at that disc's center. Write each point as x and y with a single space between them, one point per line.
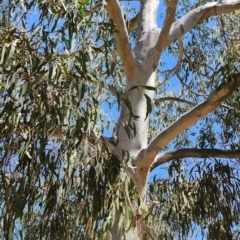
136 218
182 29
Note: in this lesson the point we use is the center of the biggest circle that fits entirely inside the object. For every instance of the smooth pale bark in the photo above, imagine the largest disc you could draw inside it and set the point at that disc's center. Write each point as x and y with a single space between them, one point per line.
140 67
146 156
194 153
198 15
121 36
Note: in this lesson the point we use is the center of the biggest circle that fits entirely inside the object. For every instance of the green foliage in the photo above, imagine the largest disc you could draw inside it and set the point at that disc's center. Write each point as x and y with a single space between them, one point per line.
52 73
205 195
58 180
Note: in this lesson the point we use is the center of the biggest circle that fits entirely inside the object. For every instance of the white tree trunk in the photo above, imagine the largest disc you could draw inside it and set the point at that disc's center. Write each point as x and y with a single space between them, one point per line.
140 69
138 139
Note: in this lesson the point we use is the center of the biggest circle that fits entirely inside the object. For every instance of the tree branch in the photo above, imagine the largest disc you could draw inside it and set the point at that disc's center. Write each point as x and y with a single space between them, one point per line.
193 152
180 100
93 9
169 19
211 103
179 62
92 139
109 87
171 99
22 128
121 36
132 24
197 15
147 155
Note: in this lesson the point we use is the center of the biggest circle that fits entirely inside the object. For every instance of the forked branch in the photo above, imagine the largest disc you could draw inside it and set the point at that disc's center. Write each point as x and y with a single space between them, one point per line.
147 155
193 153
211 103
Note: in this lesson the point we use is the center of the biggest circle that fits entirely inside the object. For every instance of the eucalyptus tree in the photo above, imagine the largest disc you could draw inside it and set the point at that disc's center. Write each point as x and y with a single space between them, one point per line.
64 64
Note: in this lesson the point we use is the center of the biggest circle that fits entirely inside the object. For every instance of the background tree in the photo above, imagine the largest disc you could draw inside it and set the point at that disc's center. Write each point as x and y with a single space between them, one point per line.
67 68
